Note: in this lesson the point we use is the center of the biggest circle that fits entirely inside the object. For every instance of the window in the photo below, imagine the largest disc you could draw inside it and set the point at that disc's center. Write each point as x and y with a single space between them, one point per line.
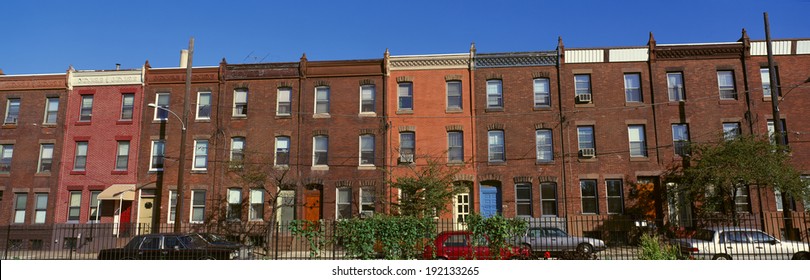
127 106
615 196
320 150
256 204
12 111
156 161
582 87
286 206
162 101
344 203
51 110
742 203
74 206
548 198
494 94
496 146
367 202
590 202
203 105
731 130
367 149
86 111
675 87
282 150
45 158
680 139
240 100
778 195
237 149
454 95
632 87
234 204
772 132
80 162
41 210
455 146
542 94
806 202
462 204
766 80
544 147
20 203
405 94
322 100
523 199
407 146
638 146
94 214
725 81
284 105
585 138
197 206
5 157
200 155
122 158
172 206
367 97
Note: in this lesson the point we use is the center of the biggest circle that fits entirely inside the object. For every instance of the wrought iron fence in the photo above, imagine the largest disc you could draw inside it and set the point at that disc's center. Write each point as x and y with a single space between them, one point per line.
578 237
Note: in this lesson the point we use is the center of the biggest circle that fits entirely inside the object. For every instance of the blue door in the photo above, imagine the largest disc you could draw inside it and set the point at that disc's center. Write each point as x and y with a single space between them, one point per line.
490 201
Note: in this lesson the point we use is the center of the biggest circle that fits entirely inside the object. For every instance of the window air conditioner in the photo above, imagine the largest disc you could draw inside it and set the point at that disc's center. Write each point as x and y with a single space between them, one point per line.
584 98
587 152
406 158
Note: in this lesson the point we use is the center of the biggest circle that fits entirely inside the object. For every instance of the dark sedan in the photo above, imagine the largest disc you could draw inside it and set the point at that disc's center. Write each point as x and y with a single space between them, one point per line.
174 246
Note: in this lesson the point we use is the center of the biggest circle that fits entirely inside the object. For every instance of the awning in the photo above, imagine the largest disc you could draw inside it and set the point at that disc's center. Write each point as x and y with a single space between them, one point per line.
118 192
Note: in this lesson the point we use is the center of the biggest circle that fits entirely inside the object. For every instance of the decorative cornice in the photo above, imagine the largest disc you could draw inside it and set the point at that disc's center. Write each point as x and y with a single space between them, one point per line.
411 128
320 132
698 51
261 71
490 177
364 131
454 127
343 183
495 126
167 78
454 77
451 61
522 179
519 59
32 82
105 78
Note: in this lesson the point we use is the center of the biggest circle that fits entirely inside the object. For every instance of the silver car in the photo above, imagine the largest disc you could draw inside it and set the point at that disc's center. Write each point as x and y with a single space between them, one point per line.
555 241
727 243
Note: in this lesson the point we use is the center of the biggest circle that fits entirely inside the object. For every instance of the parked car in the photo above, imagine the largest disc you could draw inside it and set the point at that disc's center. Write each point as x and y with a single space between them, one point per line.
455 245
556 242
175 246
727 243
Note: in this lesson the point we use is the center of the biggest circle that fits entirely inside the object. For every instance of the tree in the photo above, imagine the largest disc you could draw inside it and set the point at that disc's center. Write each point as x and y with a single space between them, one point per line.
718 173
428 190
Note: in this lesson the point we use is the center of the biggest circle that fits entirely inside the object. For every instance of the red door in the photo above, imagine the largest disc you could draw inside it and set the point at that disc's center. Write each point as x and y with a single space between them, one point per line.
312 205
125 218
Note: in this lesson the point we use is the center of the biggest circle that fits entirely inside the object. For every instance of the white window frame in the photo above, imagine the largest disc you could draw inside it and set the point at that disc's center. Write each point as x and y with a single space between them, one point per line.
450 146
586 139
524 201
200 155
726 89
367 201
162 114
545 200
636 135
6 158
285 202
370 97
127 108
680 138
284 99
9 119
74 203
765 78
315 150
544 145
675 86
280 149
81 153
240 150
364 148
43 155
256 208
595 196
201 106
612 197
496 145
742 193
461 206
172 207
122 153
86 112
410 149
20 206
153 155
495 94
324 101
239 105
456 96
51 110
772 131
582 84
93 215
343 197
40 208
195 206
542 92
405 92
234 210
632 87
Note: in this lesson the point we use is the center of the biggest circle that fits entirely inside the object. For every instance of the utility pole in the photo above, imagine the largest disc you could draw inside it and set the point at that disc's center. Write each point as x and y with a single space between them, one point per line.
181 166
779 130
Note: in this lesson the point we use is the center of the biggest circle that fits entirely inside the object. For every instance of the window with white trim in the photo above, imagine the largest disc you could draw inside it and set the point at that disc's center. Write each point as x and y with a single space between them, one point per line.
344 203
494 94
86 110
405 96
162 110
582 84
203 105
543 145
367 98
172 206
320 150
615 196
367 149
256 204
765 77
200 155
94 215
407 146
240 102
367 202
731 130
542 94
51 110
127 106
632 87
20 204
675 87
80 161
45 158
282 151
585 139
548 198
157 154
455 146
322 100
523 199
742 201
41 208
462 206
636 137
122 156
237 149
590 201
772 132
197 206
74 206
497 152
454 95
680 138
725 82
234 204
12 111
284 101
286 206
6 154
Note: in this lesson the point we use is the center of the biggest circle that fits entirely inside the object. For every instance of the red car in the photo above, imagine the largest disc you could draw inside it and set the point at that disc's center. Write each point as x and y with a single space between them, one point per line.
455 245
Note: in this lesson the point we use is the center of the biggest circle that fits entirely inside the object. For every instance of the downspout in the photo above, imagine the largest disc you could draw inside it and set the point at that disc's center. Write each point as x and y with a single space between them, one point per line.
471 71
302 75
386 135
658 189
219 169
559 64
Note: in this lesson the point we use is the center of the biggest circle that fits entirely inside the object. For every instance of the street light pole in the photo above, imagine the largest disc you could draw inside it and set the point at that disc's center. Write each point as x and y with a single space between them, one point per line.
181 166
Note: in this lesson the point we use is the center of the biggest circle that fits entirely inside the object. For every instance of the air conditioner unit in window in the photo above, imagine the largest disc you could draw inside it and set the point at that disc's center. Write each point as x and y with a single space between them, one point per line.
406 158
587 152
584 98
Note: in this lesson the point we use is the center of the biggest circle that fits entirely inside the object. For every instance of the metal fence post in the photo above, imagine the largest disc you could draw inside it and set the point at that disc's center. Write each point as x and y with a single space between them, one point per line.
8 239
75 243
275 236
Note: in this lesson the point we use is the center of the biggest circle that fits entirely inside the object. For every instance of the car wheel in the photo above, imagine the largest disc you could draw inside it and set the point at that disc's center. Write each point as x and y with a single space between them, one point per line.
802 256
441 258
721 257
585 248
208 258
127 258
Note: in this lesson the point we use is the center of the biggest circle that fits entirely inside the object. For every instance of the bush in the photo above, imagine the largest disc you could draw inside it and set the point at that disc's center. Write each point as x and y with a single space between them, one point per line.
652 248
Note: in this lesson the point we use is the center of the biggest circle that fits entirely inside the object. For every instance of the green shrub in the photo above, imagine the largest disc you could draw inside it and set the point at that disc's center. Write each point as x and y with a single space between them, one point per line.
652 248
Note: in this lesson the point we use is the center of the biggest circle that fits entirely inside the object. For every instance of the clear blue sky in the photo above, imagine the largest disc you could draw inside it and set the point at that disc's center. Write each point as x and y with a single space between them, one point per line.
47 37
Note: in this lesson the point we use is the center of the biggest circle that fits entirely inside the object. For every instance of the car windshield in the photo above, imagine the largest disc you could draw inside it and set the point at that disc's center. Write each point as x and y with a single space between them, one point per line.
554 232
760 237
133 244
704 234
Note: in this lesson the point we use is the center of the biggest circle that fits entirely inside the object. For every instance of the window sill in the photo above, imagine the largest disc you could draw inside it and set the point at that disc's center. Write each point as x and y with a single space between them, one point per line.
455 163
542 108
123 122
199 171
48 125
281 167
154 171
490 110
83 123
367 167
43 174
321 116
6 174
78 172
241 117
13 125
283 116
544 162
367 114
728 101
585 105
119 172
593 159
159 121
202 120
454 110
675 103
633 104
320 167
405 112
496 163
632 158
